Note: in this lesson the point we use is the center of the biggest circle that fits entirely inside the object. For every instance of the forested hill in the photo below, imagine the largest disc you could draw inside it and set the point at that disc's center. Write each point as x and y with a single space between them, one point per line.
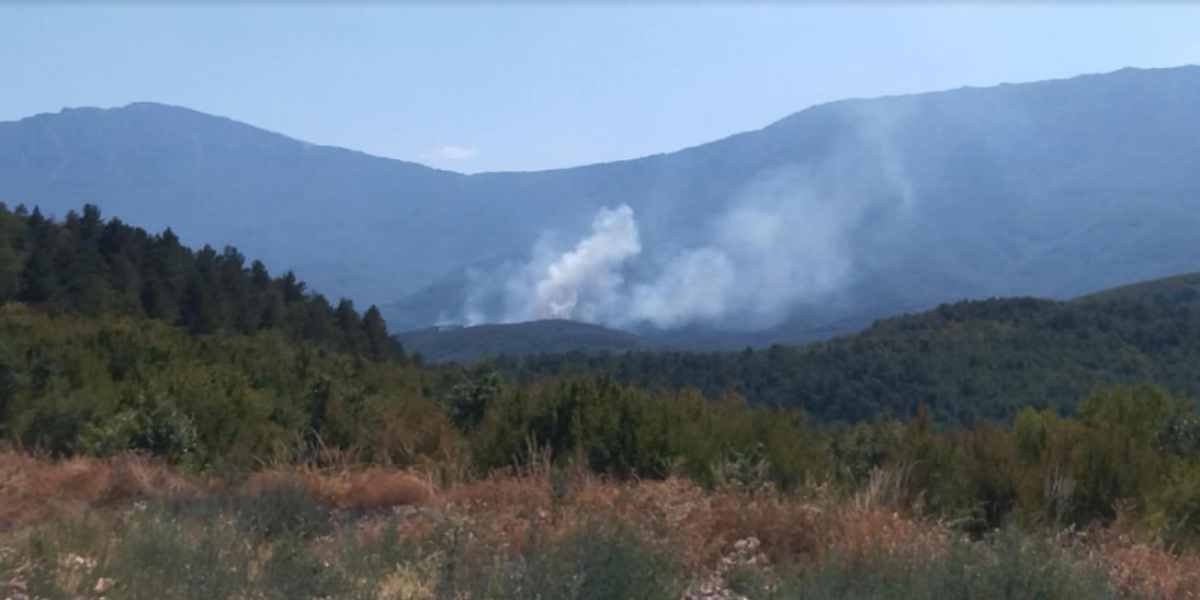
964 360
95 268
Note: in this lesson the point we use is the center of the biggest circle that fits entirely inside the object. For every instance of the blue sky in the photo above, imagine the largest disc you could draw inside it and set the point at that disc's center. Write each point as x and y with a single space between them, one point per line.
490 86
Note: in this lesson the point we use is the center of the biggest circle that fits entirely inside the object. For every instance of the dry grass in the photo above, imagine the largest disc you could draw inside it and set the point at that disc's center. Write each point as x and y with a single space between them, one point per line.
702 528
699 526
1138 563
34 490
1152 571
371 489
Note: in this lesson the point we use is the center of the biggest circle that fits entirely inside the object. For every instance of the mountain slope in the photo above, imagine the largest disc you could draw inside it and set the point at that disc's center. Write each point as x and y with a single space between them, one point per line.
1047 189
986 358
213 180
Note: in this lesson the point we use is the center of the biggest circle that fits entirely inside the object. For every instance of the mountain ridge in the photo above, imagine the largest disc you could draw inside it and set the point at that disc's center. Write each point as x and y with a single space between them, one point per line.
1048 188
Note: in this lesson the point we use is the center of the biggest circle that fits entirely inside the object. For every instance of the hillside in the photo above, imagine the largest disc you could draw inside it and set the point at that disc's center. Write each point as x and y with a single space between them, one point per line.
467 344
1049 189
1182 290
964 360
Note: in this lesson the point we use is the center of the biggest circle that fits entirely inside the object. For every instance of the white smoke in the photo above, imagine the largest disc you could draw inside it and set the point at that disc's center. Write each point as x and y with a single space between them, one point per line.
781 242
790 236
584 282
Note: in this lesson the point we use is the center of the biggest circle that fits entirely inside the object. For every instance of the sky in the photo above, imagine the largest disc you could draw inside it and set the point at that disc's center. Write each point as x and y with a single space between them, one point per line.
492 86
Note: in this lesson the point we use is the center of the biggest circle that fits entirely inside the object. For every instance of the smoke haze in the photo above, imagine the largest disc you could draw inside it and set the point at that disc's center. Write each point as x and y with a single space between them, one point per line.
785 239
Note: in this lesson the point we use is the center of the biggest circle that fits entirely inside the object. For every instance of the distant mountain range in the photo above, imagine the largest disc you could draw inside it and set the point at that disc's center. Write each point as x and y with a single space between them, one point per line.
821 222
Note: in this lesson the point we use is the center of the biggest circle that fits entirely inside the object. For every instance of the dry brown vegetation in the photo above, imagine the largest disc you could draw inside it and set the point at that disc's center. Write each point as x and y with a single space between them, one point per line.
33 490
708 531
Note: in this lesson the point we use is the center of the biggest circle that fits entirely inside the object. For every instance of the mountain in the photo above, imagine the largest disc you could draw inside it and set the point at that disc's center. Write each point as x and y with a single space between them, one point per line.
824 220
983 358
466 344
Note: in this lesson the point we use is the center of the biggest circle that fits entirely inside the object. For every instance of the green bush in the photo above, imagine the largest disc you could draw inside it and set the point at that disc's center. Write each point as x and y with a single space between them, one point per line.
280 509
597 562
292 571
156 557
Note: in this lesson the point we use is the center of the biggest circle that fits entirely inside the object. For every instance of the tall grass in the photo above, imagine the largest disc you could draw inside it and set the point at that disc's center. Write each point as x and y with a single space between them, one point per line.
298 534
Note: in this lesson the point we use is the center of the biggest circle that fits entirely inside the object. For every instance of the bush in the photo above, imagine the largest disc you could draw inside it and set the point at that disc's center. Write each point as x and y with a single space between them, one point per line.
280 508
598 561
158 557
292 571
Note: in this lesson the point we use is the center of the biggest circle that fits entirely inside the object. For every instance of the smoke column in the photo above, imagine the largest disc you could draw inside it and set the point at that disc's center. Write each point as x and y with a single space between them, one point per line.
583 283
791 235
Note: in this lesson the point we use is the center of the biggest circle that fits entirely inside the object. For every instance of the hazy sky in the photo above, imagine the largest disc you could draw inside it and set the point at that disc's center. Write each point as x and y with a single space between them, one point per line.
475 86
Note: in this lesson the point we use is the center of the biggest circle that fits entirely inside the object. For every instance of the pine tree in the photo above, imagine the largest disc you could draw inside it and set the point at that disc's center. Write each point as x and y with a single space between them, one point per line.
234 287
319 323
166 278
380 346
259 277
11 261
293 288
198 311
350 327
39 281
203 309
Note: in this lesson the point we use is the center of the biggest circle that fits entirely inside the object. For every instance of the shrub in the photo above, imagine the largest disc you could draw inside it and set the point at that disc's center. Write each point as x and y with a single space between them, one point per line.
156 556
597 561
280 507
293 572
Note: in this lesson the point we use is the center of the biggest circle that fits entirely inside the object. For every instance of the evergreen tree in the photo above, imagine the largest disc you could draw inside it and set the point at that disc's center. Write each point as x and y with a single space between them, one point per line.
380 346
259 277
203 311
293 288
38 282
93 267
350 327
167 277
319 322
199 311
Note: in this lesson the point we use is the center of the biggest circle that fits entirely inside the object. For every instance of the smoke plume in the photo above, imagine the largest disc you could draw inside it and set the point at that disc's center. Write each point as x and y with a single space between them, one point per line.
583 283
789 236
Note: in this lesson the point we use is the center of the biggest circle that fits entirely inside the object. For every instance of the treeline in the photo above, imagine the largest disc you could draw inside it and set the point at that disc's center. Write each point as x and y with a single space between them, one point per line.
962 361
93 267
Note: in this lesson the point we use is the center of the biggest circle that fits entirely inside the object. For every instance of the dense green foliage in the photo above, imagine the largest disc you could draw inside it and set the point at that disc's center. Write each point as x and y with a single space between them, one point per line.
961 361
75 385
94 267
1132 447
